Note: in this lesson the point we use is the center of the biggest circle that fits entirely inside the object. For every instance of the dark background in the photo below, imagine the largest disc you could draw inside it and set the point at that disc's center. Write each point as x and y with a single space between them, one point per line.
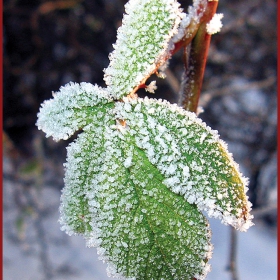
49 43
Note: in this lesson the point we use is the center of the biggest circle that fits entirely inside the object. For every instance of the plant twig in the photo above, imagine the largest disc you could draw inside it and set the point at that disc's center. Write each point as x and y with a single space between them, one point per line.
195 56
232 267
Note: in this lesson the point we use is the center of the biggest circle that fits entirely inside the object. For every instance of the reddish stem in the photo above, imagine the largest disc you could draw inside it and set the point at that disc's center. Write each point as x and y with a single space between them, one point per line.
195 57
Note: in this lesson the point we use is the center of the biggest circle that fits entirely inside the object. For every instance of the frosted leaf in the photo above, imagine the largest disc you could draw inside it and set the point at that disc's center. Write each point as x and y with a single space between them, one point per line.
117 200
193 160
160 235
82 169
141 172
70 109
142 43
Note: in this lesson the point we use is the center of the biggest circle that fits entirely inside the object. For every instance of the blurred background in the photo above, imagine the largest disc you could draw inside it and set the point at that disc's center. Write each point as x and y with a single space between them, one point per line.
49 43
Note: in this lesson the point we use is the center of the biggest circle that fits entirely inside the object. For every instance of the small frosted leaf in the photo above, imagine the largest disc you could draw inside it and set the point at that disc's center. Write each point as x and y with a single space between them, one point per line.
143 229
142 43
70 109
193 160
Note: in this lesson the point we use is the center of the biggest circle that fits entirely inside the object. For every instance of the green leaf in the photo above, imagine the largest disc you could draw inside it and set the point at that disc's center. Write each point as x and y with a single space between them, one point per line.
143 229
144 42
195 163
71 109
137 180
84 161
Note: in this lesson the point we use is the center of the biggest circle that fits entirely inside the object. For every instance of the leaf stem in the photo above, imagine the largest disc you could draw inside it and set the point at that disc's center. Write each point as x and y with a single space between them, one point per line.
195 55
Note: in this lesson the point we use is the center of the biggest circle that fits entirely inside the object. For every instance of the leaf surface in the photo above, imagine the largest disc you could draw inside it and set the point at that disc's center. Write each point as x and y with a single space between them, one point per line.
143 43
142 228
193 160
71 109
137 180
84 164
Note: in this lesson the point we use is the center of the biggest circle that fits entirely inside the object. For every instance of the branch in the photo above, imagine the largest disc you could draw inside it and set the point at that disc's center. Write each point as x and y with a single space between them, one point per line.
195 56
233 254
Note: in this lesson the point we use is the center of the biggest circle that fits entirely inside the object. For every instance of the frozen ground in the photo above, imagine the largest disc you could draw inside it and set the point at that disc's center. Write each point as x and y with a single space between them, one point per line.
36 249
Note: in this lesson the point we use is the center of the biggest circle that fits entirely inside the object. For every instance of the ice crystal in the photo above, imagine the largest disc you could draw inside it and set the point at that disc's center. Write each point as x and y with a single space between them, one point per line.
151 87
215 24
190 22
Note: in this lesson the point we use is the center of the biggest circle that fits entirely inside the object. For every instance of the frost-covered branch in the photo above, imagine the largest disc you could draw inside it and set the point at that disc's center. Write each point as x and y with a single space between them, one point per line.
195 56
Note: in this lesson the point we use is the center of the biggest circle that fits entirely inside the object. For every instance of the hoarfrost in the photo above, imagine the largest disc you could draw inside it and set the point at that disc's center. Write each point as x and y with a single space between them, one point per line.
169 146
215 24
63 115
